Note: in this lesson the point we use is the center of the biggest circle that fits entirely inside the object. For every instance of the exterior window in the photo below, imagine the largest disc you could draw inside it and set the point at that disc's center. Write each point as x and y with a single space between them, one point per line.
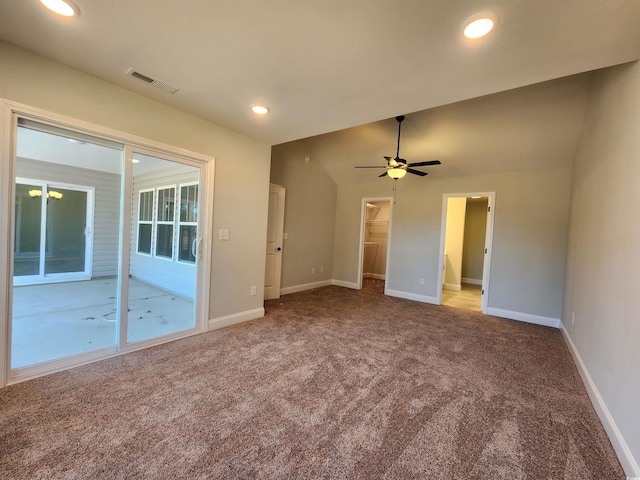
145 221
188 223
165 218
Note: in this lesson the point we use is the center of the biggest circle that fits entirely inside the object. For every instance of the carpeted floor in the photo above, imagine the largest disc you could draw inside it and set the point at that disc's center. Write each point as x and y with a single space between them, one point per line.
332 383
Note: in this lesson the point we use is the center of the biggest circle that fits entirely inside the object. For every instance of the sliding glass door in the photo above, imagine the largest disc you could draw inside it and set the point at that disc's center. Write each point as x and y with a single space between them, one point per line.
107 248
68 190
163 260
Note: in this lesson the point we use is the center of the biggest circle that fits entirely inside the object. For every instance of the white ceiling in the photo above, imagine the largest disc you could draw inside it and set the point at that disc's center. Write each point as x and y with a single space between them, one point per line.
324 66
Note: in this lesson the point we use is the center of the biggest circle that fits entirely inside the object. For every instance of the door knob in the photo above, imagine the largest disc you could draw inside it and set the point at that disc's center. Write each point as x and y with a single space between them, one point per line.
279 249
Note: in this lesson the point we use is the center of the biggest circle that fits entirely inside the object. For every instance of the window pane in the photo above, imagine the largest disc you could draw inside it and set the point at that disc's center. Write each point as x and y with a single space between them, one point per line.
66 237
166 204
187 237
146 206
144 238
164 241
189 203
26 247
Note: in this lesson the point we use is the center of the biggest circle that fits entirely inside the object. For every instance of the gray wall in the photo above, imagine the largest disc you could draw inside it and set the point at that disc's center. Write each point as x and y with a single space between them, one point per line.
530 231
240 196
106 210
603 271
475 229
309 215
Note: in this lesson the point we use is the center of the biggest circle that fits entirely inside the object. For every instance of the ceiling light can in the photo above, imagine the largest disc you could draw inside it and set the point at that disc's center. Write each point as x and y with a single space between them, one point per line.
259 109
479 25
66 8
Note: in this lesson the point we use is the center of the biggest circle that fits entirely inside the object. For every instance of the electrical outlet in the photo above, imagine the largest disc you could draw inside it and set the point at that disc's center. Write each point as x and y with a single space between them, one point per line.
573 317
421 281
313 270
321 269
254 290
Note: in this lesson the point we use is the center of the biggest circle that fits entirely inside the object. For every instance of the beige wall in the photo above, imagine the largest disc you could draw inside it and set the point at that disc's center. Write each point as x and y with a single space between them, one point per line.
454 241
240 200
529 241
475 229
309 215
603 271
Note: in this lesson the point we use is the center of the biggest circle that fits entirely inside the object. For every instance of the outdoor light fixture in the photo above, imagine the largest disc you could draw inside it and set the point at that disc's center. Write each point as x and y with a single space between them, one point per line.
50 194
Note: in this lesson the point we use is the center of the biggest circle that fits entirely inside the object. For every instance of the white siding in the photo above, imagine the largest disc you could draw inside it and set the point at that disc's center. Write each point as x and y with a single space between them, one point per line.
107 206
178 277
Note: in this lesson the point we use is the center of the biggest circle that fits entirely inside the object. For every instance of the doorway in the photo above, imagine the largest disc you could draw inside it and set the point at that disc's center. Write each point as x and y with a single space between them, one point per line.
465 254
374 251
106 246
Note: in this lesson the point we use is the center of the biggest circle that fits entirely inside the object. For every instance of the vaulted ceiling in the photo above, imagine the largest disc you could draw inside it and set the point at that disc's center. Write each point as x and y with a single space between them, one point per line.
325 66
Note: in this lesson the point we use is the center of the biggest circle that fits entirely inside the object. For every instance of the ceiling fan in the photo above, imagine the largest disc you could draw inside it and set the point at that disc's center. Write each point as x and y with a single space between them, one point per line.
398 167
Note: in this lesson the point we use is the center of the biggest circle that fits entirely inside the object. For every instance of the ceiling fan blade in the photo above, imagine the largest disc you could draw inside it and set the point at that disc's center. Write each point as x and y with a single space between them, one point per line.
388 159
401 161
370 166
417 172
383 175
424 164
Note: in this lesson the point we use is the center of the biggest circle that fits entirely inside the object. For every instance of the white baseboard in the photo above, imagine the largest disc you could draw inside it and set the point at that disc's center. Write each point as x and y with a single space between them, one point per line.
411 296
629 463
342 283
376 276
221 322
524 317
452 286
303 287
472 281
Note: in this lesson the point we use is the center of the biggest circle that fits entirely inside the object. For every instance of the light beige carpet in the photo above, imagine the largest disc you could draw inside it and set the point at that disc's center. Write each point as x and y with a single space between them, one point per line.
332 383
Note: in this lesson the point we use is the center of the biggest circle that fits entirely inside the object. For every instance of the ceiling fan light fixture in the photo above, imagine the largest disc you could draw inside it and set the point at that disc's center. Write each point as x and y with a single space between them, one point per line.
396 173
66 8
479 25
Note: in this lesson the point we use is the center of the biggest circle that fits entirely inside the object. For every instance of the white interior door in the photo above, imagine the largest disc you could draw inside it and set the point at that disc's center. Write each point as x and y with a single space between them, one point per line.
275 226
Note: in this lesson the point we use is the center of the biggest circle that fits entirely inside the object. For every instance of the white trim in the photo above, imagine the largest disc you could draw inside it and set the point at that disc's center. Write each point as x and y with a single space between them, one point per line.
412 296
524 317
629 463
452 286
375 276
304 287
472 281
342 283
234 318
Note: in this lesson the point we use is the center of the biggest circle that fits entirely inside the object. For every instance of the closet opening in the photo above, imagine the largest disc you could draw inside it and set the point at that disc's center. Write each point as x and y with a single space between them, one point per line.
374 254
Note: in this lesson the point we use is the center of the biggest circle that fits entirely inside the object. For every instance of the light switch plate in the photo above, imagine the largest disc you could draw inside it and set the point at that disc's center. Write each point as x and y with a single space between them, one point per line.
224 234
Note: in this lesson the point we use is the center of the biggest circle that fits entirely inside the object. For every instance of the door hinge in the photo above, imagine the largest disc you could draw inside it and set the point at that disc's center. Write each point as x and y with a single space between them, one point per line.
483 291
488 209
485 250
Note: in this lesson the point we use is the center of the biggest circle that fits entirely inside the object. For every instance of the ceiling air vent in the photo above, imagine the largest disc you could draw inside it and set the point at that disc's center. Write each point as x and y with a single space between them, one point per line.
156 83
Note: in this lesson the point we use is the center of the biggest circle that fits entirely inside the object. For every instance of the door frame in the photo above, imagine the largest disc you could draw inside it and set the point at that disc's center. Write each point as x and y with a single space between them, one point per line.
86 274
363 219
10 111
488 244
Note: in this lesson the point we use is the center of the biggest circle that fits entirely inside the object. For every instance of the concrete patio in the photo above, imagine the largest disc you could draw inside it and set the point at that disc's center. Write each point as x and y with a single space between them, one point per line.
60 319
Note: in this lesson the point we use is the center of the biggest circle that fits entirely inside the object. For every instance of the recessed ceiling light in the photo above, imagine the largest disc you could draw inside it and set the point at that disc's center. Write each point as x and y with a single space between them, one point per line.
259 109
66 8
479 25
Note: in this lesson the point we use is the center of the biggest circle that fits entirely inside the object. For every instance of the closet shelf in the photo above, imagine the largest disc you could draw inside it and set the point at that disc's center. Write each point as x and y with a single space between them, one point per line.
377 222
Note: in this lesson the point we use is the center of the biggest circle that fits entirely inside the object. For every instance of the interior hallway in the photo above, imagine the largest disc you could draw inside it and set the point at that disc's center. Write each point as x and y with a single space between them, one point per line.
469 298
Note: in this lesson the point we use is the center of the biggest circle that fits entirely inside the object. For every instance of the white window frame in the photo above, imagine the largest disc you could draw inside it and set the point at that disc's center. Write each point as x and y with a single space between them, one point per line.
145 222
171 222
180 223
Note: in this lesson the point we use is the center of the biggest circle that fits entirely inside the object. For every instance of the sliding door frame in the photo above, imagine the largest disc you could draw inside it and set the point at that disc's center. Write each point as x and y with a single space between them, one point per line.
9 113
